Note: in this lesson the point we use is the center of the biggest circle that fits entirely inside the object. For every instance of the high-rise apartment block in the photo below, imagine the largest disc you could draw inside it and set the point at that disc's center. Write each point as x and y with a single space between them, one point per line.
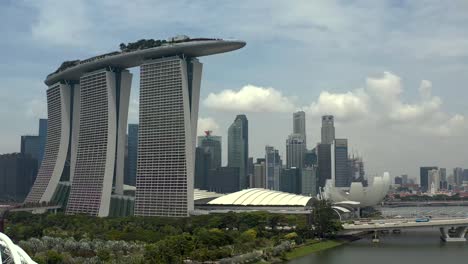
238 148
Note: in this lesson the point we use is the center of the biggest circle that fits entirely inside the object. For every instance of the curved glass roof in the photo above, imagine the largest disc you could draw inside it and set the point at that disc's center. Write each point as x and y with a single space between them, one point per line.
261 197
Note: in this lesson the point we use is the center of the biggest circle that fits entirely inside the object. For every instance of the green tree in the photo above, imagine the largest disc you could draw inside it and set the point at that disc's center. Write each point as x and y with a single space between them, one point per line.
325 219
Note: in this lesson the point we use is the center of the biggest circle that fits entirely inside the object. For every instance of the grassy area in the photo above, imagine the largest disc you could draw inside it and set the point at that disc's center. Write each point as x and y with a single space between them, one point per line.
311 247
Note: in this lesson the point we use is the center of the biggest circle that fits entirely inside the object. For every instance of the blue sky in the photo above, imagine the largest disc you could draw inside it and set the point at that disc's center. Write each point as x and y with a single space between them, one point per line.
394 73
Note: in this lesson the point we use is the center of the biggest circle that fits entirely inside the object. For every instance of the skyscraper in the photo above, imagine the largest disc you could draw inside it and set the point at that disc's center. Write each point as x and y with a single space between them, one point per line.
324 164
100 153
424 177
299 124
167 134
238 148
17 173
458 176
341 167
295 150
309 181
31 145
87 119
132 154
258 179
290 180
273 167
202 168
328 129
42 138
211 144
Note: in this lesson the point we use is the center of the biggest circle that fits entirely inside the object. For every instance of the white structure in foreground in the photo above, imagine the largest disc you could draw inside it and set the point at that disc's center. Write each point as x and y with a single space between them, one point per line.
11 253
366 196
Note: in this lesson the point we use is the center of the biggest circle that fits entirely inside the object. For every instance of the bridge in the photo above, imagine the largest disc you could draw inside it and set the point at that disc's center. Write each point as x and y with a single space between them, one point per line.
451 229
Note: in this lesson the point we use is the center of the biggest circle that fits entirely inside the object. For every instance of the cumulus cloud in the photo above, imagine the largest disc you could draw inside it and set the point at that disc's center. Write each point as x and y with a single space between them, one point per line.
379 102
205 124
250 98
345 106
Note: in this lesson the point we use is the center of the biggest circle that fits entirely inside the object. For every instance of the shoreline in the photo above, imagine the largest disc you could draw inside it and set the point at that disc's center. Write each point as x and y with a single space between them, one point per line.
315 246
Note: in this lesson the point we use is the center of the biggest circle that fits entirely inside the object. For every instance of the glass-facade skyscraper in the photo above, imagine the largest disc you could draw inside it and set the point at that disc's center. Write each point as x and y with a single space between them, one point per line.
341 169
273 167
238 148
211 144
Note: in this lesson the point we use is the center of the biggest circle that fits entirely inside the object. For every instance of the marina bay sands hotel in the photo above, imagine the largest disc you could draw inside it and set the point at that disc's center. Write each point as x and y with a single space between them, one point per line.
87 103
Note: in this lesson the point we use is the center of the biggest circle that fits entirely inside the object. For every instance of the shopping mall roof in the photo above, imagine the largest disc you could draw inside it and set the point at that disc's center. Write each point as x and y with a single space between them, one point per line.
261 197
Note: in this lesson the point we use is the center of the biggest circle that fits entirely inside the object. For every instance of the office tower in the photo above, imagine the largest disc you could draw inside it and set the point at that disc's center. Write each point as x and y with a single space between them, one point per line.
465 177
223 180
309 181
404 179
104 100
290 180
341 167
458 176
310 158
17 173
356 167
324 164
424 177
42 138
202 166
443 178
434 180
398 180
273 167
31 145
167 135
211 144
328 129
58 137
259 176
299 124
132 146
250 168
295 150
238 148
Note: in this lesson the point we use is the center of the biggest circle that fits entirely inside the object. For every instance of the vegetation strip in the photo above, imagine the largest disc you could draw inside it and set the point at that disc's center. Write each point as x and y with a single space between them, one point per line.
312 247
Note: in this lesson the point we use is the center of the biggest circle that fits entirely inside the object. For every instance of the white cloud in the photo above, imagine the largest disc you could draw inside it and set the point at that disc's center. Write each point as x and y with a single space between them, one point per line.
250 98
345 106
36 108
205 124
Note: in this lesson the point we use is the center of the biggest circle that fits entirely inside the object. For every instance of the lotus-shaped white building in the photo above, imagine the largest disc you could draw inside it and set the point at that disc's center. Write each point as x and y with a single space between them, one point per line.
366 196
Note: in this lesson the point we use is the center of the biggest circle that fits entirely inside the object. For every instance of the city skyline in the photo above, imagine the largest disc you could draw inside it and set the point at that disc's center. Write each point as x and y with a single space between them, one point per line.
396 91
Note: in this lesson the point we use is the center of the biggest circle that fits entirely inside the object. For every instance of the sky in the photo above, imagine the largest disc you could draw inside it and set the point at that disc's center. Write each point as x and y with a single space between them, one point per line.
393 73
